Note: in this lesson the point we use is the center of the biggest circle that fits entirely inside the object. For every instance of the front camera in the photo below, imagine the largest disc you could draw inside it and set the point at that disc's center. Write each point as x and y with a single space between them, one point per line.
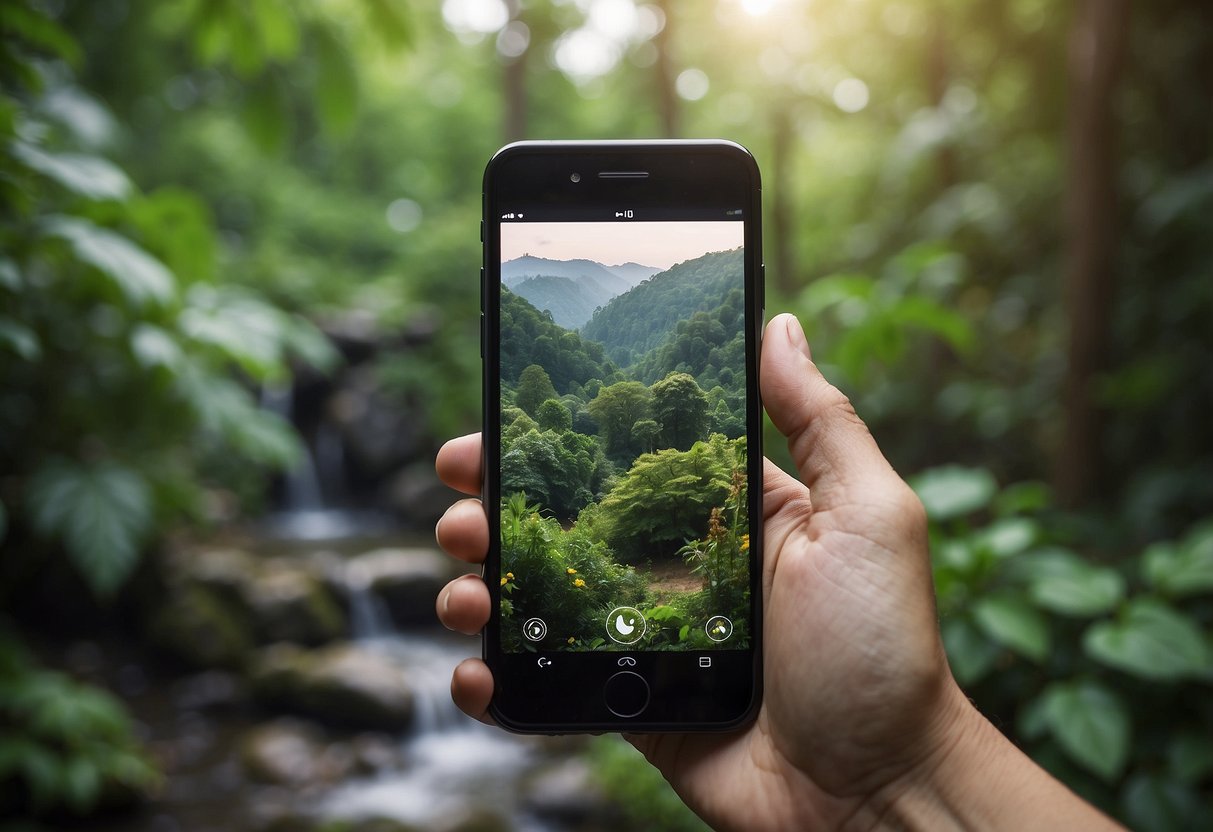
576 177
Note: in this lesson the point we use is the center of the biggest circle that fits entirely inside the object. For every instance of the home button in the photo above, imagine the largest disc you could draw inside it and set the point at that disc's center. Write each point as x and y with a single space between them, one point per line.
626 694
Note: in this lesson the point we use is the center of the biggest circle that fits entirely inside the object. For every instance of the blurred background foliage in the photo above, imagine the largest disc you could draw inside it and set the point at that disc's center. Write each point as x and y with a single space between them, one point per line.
993 220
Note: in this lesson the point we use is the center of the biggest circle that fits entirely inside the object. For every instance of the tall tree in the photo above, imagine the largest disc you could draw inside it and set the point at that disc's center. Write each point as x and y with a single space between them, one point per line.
681 407
534 388
1096 55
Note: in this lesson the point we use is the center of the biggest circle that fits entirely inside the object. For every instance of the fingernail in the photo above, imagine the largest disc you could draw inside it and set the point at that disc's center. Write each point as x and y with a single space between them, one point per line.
446 601
797 338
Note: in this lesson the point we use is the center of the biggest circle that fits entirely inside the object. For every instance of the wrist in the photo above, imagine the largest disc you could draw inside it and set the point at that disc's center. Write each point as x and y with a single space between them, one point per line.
973 777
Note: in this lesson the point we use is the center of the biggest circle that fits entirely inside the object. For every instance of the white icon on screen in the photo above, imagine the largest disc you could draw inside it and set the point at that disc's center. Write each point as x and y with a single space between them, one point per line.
624 628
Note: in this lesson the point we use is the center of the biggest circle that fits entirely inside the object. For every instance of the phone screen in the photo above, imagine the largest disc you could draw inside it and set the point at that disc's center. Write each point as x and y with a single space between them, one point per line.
624 521
622 299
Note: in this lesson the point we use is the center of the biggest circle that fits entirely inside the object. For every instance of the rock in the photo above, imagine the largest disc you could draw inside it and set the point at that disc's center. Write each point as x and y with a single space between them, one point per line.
287 603
566 793
201 629
234 600
379 433
406 580
342 684
374 753
211 690
284 752
417 495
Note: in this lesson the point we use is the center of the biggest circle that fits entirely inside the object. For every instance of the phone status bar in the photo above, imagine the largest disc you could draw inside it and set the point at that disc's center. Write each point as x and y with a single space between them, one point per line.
619 214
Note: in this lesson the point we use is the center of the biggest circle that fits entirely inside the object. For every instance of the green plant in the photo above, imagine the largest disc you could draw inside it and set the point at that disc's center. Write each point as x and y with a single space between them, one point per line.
1100 664
637 790
65 747
127 380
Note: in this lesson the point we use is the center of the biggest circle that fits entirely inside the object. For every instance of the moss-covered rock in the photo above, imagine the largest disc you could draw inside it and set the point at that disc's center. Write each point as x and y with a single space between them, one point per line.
342 684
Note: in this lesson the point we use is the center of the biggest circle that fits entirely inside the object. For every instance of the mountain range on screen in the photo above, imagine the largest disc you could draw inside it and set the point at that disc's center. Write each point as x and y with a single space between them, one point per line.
570 289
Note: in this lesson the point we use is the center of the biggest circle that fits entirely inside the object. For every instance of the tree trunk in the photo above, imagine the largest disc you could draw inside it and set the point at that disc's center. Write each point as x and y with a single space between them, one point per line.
782 222
667 95
514 91
1096 53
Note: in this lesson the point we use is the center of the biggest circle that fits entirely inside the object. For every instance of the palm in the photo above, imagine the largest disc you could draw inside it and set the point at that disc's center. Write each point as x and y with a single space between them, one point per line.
852 664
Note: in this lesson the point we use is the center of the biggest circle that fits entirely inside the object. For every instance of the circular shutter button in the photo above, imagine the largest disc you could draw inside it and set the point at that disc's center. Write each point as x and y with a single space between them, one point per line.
626 694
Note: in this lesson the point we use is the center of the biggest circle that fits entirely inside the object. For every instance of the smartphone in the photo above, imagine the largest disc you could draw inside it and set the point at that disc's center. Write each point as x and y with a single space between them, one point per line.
622 299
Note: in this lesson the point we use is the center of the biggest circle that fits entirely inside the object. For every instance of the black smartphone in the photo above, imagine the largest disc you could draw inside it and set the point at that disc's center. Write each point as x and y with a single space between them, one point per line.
622 299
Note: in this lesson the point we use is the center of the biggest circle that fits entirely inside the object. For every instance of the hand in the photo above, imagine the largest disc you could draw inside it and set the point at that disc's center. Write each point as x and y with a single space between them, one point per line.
860 717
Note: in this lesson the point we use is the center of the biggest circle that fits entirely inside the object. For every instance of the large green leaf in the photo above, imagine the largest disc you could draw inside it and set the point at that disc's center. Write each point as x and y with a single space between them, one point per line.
1182 569
970 653
91 177
1158 803
1151 640
19 338
140 277
1012 621
1062 582
101 512
1190 755
1008 536
1090 724
953 491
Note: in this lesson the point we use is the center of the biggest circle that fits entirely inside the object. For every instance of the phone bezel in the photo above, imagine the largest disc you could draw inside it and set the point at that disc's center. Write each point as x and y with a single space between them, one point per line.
532 700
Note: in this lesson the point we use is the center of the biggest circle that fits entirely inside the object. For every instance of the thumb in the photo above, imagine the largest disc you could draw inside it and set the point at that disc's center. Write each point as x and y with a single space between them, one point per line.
831 446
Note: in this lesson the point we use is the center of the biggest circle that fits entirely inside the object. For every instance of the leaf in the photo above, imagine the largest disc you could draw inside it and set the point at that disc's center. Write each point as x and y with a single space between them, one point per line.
1091 725
934 318
1022 497
1008 536
1151 640
91 177
952 491
1161 804
20 339
154 347
1010 620
10 275
101 512
970 654
336 84
39 30
825 292
140 277
390 21
1182 569
1062 582
1190 756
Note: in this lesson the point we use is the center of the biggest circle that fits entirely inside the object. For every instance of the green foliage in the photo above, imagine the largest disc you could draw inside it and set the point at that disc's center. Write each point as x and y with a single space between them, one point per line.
561 470
641 320
553 415
530 337
123 379
67 747
534 388
616 409
570 576
667 498
1088 658
638 790
681 408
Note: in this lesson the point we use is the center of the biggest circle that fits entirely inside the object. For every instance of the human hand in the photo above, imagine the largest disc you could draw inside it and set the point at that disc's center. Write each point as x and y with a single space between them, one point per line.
860 717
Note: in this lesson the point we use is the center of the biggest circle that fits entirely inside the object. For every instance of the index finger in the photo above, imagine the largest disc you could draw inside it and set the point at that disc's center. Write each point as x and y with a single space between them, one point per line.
459 463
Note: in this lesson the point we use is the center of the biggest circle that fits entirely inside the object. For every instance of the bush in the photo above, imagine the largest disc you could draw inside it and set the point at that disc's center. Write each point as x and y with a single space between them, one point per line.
1100 667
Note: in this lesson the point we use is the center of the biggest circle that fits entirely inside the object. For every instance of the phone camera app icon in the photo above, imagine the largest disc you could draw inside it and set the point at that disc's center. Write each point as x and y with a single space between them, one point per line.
718 628
535 629
625 625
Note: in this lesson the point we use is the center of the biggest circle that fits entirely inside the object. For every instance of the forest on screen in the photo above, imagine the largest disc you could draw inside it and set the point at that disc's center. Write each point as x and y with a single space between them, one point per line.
624 458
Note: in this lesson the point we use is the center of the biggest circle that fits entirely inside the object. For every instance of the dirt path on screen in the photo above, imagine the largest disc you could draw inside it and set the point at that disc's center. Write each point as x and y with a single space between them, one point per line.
670 578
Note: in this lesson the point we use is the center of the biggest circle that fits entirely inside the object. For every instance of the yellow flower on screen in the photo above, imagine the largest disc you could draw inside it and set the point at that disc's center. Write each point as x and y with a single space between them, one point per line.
505 581
510 575
579 582
570 639
745 542
571 571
